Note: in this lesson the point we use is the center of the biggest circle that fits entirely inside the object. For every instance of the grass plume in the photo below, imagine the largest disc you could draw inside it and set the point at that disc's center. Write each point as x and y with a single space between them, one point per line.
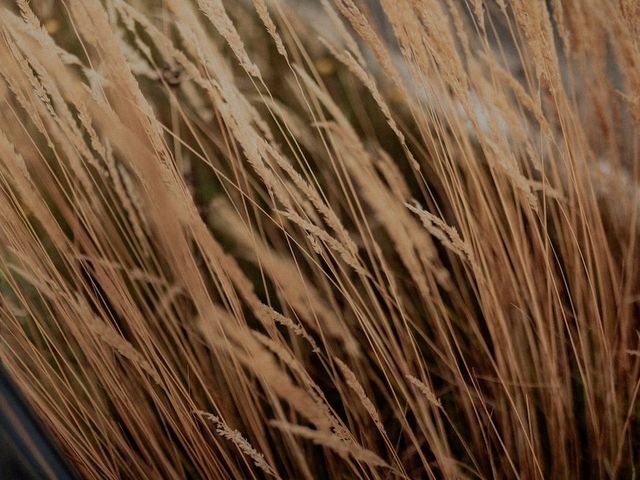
375 238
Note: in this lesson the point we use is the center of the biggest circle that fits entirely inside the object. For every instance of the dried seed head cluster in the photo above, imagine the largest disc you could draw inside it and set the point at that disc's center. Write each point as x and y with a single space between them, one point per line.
324 239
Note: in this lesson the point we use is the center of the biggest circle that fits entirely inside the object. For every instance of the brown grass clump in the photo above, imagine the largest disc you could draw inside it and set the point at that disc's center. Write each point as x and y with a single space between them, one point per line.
332 239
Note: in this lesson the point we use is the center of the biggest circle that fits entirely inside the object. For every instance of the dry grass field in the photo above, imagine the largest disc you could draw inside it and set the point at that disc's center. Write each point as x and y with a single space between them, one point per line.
345 239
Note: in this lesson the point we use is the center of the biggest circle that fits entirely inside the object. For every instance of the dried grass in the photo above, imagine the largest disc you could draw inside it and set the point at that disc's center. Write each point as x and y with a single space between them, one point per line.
407 250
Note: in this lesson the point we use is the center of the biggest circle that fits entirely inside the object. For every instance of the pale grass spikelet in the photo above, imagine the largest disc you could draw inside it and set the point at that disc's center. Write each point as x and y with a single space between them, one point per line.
355 385
346 36
347 252
534 21
363 27
367 80
16 168
401 228
425 391
505 163
109 335
124 189
263 13
332 442
217 14
388 168
478 10
523 97
305 300
327 213
290 324
239 441
440 47
32 274
259 360
296 125
32 26
447 234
